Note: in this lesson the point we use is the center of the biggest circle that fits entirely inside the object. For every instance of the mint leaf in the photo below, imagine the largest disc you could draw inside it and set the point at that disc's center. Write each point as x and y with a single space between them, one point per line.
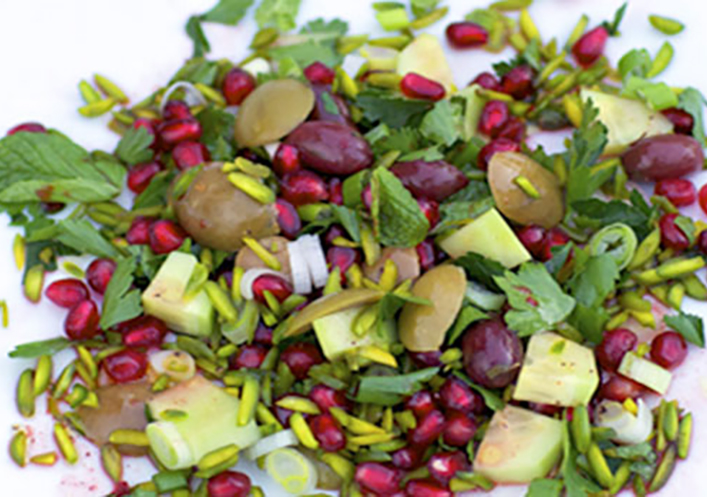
481 269
691 327
397 218
545 488
390 390
538 303
389 108
120 303
79 235
228 12
349 220
491 399
456 214
693 102
443 124
134 147
197 36
32 350
280 14
51 168
156 192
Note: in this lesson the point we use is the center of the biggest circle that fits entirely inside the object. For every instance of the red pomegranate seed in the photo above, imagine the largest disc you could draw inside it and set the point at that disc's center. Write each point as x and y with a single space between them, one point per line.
67 293
140 176
328 433
139 232
288 219
176 109
493 147
249 356
425 488
121 489
488 81
326 397
377 477
459 430
426 359
614 346
99 273
533 238
82 321
27 128
278 287
286 160
702 242
702 198
237 85
126 366
683 122
179 130
166 236
304 187
263 335
546 409
420 403
143 331
494 116
52 207
407 458
426 253
466 35
518 82
319 74
300 357
456 395
428 429
229 484
619 388
332 234
444 465
590 46
680 191
671 235
343 258
554 238
430 209
414 85
189 154
669 349
336 192
514 130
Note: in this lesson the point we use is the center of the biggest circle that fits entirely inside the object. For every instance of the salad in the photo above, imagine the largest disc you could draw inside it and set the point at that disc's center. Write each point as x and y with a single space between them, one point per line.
370 281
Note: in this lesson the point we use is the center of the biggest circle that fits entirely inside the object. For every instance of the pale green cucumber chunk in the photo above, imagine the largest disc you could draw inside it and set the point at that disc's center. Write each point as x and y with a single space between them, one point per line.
336 337
645 372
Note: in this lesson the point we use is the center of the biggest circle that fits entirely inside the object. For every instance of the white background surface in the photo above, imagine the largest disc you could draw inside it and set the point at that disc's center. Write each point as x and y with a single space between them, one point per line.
47 46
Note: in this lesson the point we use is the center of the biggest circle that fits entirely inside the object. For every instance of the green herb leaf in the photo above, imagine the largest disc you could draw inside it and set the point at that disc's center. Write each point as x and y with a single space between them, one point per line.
217 133
32 350
590 321
443 124
456 214
349 220
307 53
77 234
687 227
691 327
636 62
468 315
615 211
280 14
658 96
333 28
404 140
481 269
613 26
228 12
390 390
491 399
693 102
575 484
595 280
197 36
545 488
391 303
156 192
134 147
391 109
120 303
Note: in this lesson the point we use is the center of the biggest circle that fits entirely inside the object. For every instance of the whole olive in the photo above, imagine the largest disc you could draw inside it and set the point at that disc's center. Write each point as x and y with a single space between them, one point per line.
329 106
492 354
433 180
331 148
663 157
218 215
516 204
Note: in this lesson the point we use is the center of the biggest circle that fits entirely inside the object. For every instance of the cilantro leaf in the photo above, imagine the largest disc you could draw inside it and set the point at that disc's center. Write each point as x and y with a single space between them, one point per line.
388 108
120 303
481 269
443 124
197 36
397 218
693 102
280 14
468 315
134 147
538 303
228 12
691 327
390 390
491 399
44 347
545 488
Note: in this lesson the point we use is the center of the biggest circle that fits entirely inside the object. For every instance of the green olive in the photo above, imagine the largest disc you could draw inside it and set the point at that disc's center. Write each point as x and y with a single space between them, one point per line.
218 215
276 245
616 240
272 111
422 328
513 201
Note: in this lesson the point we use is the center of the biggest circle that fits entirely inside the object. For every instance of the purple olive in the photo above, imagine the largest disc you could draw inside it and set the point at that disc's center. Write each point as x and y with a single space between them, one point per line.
433 180
324 106
331 148
663 157
492 354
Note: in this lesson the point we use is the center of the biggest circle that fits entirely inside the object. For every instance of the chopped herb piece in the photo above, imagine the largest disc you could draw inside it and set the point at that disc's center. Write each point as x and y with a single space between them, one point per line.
120 302
689 326
390 109
481 269
545 488
32 350
228 12
277 13
491 399
197 36
134 147
390 390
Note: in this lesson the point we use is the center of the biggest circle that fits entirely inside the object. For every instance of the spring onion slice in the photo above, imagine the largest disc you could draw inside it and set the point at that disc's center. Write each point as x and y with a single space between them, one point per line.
176 364
292 470
279 440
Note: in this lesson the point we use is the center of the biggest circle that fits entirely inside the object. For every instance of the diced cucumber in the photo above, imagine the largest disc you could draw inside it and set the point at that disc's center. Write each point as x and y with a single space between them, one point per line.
483 298
208 423
557 371
646 373
165 299
519 446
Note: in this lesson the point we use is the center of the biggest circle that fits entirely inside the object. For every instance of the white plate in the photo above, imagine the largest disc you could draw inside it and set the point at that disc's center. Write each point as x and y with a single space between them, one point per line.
48 46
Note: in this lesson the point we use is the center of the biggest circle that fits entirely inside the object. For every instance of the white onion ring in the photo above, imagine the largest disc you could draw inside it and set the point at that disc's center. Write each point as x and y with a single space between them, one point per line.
301 278
279 440
316 261
630 429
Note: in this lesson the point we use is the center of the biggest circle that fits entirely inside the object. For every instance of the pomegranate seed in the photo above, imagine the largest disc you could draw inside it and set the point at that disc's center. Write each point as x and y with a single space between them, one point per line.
27 128
237 85
288 219
121 489
300 357
429 428
514 130
488 81
318 73
683 122
82 321
546 409
669 349
249 356
590 46
229 484
304 187
336 192
416 86
702 242
533 238
286 160
702 198
328 433
139 232
420 403
671 235
466 35
176 109
681 192
190 154
99 273
326 397
52 207
426 359
459 430
377 477
614 346
407 458
555 238
126 366
494 116
444 465
140 176
493 147
179 130
143 331
332 234
425 488
278 287
166 236
456 395
619 388
426 253
430 209
67 293
343 258
367 197
263 335
518 82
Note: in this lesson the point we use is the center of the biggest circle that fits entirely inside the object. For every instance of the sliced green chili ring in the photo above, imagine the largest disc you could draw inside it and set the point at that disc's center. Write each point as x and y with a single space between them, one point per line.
616 240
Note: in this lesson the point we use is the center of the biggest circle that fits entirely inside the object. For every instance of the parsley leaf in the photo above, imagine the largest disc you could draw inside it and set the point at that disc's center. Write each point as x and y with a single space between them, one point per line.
228 12
693 102
120 303
44 347
393 110
595 280
443 124
545 488
197 36
481 269
280 14
134 147
615 211
217 134
691 327
390 390
538 303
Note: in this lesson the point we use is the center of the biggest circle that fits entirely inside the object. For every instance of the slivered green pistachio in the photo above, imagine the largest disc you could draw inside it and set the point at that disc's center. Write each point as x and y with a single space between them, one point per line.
88 92
97 109
211 94
661 61
34 283
634 301
250 395
19 251
265 416
112 462
671 421
599 466
511 5
623 474
217 457
219 468
252 187
664 470
66 445
42 375
387 80
264 38
18 448
395 42
110 88
298 404
303 432
64 381
660 441
429 19
129 437
676 295
340 465
639 486
25 393
581 429
528 188
348 44
552 66
518 41
527 26
45 459
221 301
666 25
684 436
646 250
